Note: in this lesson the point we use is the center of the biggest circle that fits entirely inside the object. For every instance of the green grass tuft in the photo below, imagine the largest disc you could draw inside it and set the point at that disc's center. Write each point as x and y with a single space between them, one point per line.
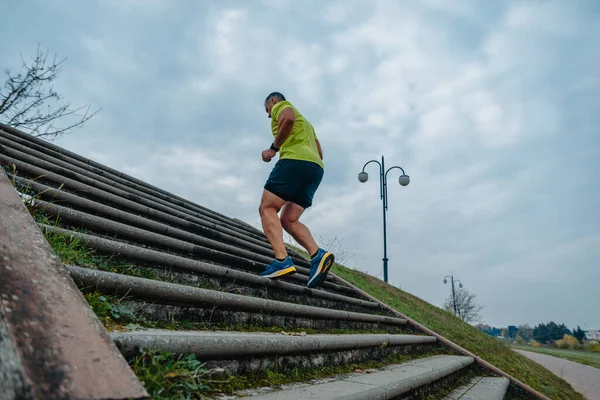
69 249
167 377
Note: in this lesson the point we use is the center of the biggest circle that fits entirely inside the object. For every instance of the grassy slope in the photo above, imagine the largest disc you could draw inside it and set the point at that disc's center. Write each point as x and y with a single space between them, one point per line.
582 357
465 335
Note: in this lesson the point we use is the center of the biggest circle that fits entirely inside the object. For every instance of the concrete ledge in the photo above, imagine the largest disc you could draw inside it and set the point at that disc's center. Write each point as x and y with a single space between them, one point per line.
232 345
14 380
479 388
389 383
169 293
51 343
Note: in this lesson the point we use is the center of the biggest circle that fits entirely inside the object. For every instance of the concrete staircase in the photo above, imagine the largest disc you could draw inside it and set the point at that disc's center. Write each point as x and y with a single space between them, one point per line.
173 264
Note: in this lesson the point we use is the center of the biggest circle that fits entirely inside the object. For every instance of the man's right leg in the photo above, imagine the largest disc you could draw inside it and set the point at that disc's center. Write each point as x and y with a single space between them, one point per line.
270 205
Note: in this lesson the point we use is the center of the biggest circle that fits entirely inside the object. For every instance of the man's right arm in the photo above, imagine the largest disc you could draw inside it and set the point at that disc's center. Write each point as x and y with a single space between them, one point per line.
319 148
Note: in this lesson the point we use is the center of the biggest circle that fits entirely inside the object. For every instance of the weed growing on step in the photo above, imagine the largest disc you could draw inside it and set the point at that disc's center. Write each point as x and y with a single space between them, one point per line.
167 377
72 250
111 313
68 248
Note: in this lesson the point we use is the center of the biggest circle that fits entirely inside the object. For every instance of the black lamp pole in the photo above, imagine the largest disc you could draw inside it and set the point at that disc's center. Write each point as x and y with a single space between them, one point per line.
403 180
453 291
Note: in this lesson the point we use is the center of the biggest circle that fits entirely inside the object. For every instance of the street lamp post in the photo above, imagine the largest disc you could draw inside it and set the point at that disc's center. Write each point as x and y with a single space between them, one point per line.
460 285
403 180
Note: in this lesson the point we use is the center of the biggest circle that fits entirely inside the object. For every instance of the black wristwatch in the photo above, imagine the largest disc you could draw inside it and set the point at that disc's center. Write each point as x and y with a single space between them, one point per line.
275 149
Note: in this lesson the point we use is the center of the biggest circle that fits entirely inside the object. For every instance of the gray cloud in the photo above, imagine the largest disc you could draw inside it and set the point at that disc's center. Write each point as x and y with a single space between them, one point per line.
490 108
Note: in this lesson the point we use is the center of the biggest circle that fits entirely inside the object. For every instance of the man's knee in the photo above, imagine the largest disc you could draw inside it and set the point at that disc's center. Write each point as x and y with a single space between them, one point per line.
262 208
287 222
265 207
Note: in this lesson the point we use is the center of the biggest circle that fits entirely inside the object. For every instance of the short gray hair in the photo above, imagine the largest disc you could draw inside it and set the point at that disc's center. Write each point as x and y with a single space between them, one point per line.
276 95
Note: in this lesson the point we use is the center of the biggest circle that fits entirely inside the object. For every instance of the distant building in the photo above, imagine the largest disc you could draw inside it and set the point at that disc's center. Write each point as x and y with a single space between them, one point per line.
592 335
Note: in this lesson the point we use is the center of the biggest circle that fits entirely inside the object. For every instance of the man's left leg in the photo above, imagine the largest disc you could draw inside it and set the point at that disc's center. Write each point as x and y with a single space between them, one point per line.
321 260
290 215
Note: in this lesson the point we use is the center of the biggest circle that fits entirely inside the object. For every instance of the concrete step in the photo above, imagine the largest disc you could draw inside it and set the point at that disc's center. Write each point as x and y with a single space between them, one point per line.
66 191
389 383
172 226
56 155
28 166
65 169
238 353
211 305
191 258
18 147
176 269
75 159
169 238
481 388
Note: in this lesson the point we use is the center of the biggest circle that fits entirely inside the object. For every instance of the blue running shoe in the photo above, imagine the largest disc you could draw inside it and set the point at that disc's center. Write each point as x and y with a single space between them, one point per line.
277 269
319 268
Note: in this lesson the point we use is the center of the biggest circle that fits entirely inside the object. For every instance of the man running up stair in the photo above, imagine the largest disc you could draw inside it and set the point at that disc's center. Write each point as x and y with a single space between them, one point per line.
290 189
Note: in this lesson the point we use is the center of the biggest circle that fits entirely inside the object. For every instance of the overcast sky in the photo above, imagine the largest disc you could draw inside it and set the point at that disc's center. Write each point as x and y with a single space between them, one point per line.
492 108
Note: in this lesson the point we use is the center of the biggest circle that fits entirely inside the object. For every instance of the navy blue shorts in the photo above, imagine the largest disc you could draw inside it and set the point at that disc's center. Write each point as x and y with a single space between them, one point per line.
295 181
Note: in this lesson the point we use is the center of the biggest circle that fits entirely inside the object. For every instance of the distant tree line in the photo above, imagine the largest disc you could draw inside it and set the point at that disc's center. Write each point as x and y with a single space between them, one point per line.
546 335
550 332
541 333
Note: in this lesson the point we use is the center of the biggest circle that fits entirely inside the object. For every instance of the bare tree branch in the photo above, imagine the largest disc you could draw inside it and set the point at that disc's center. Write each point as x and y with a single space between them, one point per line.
466 307
29 102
